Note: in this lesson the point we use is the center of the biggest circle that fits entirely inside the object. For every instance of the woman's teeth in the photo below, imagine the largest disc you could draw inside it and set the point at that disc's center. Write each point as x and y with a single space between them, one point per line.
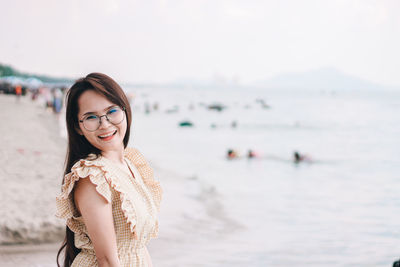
106 135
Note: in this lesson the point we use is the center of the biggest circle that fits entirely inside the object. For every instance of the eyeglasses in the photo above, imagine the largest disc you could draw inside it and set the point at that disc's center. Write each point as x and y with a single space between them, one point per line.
114 115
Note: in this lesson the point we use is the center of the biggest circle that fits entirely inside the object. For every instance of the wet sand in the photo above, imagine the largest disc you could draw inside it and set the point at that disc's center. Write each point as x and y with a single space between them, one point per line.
41 255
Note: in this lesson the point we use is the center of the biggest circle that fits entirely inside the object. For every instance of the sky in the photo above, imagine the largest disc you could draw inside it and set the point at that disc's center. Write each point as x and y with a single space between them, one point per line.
161 41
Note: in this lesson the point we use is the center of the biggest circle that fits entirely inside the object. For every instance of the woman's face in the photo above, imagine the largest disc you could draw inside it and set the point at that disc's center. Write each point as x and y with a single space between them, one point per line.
108 137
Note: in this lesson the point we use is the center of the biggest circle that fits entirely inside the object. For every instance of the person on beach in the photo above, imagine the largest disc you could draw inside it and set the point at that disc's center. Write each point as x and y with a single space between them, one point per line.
18 92
109 197
57 100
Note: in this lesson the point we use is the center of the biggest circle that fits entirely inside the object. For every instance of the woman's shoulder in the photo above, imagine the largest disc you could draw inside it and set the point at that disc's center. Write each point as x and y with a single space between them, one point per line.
84 166
130 152
83 171
134 155
91 168
137 159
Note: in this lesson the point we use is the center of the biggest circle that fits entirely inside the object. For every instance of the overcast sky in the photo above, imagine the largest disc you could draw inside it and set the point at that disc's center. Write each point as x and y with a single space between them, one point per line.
164 41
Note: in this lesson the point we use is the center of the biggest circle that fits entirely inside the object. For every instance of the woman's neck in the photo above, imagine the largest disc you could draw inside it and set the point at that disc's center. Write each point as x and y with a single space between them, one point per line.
114 155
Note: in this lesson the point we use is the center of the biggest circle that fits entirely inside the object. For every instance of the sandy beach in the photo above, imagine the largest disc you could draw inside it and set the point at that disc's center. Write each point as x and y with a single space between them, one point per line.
32 157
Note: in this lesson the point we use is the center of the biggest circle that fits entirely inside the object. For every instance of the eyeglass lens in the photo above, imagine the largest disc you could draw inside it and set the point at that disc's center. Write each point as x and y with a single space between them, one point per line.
114 115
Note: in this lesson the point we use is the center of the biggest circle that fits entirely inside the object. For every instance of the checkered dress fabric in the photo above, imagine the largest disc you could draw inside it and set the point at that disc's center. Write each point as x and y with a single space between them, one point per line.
135 204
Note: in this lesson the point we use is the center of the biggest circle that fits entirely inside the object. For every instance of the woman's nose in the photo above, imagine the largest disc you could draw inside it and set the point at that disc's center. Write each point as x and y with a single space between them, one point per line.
104 123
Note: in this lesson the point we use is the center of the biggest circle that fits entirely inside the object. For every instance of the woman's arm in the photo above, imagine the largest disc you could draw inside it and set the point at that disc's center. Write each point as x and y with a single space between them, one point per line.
98 218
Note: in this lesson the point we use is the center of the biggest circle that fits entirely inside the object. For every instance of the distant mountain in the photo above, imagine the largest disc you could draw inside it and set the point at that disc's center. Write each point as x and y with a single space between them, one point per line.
320 79
6 70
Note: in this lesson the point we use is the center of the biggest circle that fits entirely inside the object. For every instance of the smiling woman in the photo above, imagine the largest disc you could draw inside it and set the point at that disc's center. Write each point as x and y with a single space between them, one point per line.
105 134
109 197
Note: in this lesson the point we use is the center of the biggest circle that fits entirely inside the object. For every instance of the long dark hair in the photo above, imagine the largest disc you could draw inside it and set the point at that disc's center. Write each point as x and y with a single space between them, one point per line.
78 146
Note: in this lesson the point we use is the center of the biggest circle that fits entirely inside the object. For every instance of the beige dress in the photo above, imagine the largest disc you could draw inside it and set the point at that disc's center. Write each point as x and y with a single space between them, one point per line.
135 204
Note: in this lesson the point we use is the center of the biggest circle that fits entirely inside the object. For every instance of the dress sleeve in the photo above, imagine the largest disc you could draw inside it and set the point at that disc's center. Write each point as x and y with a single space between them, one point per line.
83 169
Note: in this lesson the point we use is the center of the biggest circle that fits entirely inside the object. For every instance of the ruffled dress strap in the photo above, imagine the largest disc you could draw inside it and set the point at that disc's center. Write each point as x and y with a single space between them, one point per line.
65 206
147 174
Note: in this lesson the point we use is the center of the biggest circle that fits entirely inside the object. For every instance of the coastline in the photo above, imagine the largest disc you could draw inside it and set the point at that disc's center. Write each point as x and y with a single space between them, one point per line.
34 151
30 234
41 255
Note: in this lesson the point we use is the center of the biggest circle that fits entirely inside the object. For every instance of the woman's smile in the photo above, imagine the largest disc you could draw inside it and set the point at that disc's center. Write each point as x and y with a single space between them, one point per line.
108 136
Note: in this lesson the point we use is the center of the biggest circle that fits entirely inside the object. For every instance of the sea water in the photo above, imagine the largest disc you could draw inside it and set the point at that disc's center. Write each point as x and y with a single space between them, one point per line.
340 209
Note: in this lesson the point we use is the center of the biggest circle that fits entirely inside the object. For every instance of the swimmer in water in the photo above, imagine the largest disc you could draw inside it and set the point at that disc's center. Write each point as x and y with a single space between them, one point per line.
252 154
232 154
297 157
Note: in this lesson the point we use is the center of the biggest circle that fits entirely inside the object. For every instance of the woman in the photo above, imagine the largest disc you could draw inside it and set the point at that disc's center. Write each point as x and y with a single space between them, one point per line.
109 197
